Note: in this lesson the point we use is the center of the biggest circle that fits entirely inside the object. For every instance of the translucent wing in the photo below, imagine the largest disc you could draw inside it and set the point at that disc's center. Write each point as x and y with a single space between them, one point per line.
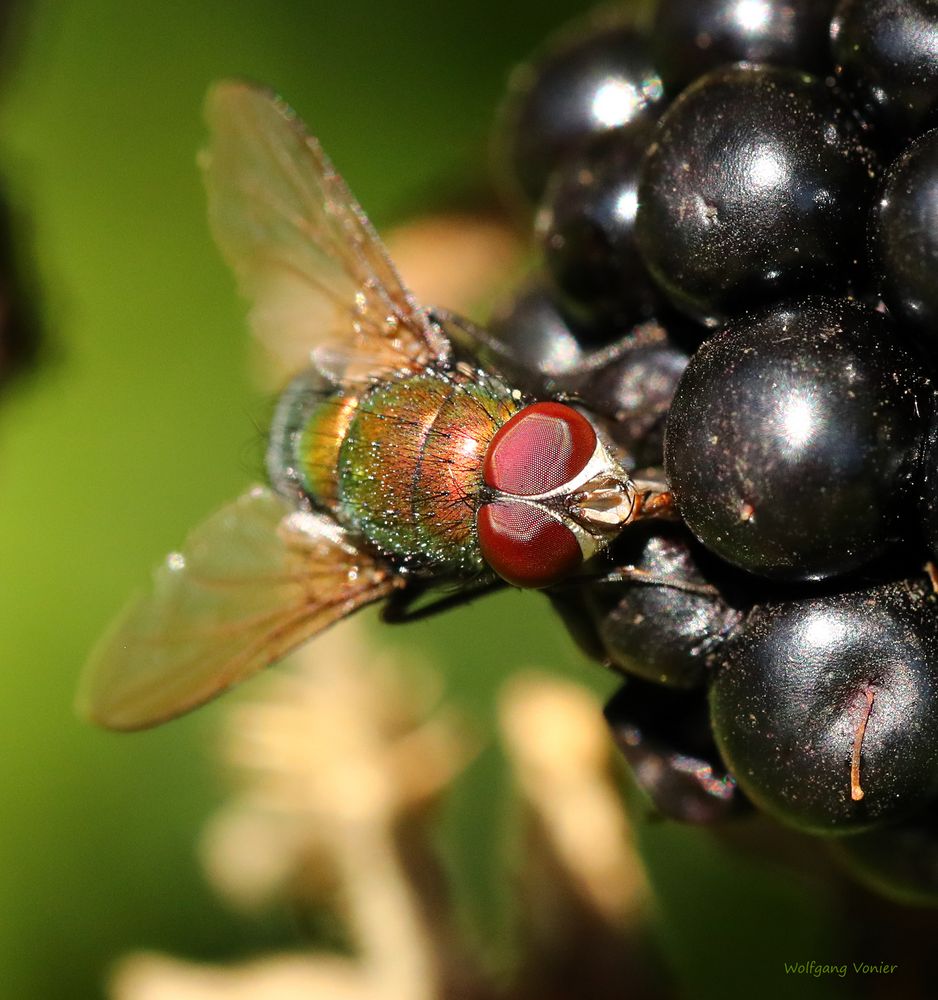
252 582
300 245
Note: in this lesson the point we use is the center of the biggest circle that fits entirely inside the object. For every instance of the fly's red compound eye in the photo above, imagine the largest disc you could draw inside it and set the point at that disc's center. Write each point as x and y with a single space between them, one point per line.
541 448
525 545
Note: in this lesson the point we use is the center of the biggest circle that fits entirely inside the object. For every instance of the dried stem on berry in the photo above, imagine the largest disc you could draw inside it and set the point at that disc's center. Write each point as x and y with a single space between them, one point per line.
856 791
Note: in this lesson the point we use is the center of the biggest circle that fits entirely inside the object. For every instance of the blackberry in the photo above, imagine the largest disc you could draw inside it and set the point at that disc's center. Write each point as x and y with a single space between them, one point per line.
666 741
665 622
905 237
586 230
592 78
885 56
792 439
691 37
742 195
826 708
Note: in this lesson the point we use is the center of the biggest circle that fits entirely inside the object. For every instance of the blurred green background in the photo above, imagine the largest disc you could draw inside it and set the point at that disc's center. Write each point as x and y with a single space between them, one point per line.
139 420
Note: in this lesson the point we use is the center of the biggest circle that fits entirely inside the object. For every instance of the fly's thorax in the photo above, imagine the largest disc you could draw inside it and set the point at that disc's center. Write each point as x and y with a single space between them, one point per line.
410 467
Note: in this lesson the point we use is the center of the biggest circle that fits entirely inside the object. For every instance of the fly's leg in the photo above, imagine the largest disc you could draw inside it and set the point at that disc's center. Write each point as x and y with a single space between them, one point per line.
632 574
401 607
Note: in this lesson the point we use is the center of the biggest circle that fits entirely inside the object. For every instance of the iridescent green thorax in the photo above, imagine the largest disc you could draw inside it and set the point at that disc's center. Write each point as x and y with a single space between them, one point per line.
410 467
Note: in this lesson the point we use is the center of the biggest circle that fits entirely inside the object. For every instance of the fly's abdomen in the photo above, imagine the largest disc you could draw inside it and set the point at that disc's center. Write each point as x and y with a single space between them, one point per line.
410 468
309 425
319 447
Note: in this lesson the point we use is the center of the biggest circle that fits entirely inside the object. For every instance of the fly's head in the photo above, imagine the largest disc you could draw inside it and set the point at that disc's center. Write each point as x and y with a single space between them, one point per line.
553 496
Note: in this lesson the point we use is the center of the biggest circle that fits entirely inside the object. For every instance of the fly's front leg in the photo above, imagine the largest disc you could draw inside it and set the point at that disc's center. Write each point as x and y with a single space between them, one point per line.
633 574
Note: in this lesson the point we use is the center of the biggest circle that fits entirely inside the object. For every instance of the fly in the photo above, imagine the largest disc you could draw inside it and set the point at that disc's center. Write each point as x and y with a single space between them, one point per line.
395 461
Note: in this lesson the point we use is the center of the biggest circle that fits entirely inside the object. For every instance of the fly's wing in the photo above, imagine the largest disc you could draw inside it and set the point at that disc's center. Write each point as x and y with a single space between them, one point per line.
252 582
301 247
